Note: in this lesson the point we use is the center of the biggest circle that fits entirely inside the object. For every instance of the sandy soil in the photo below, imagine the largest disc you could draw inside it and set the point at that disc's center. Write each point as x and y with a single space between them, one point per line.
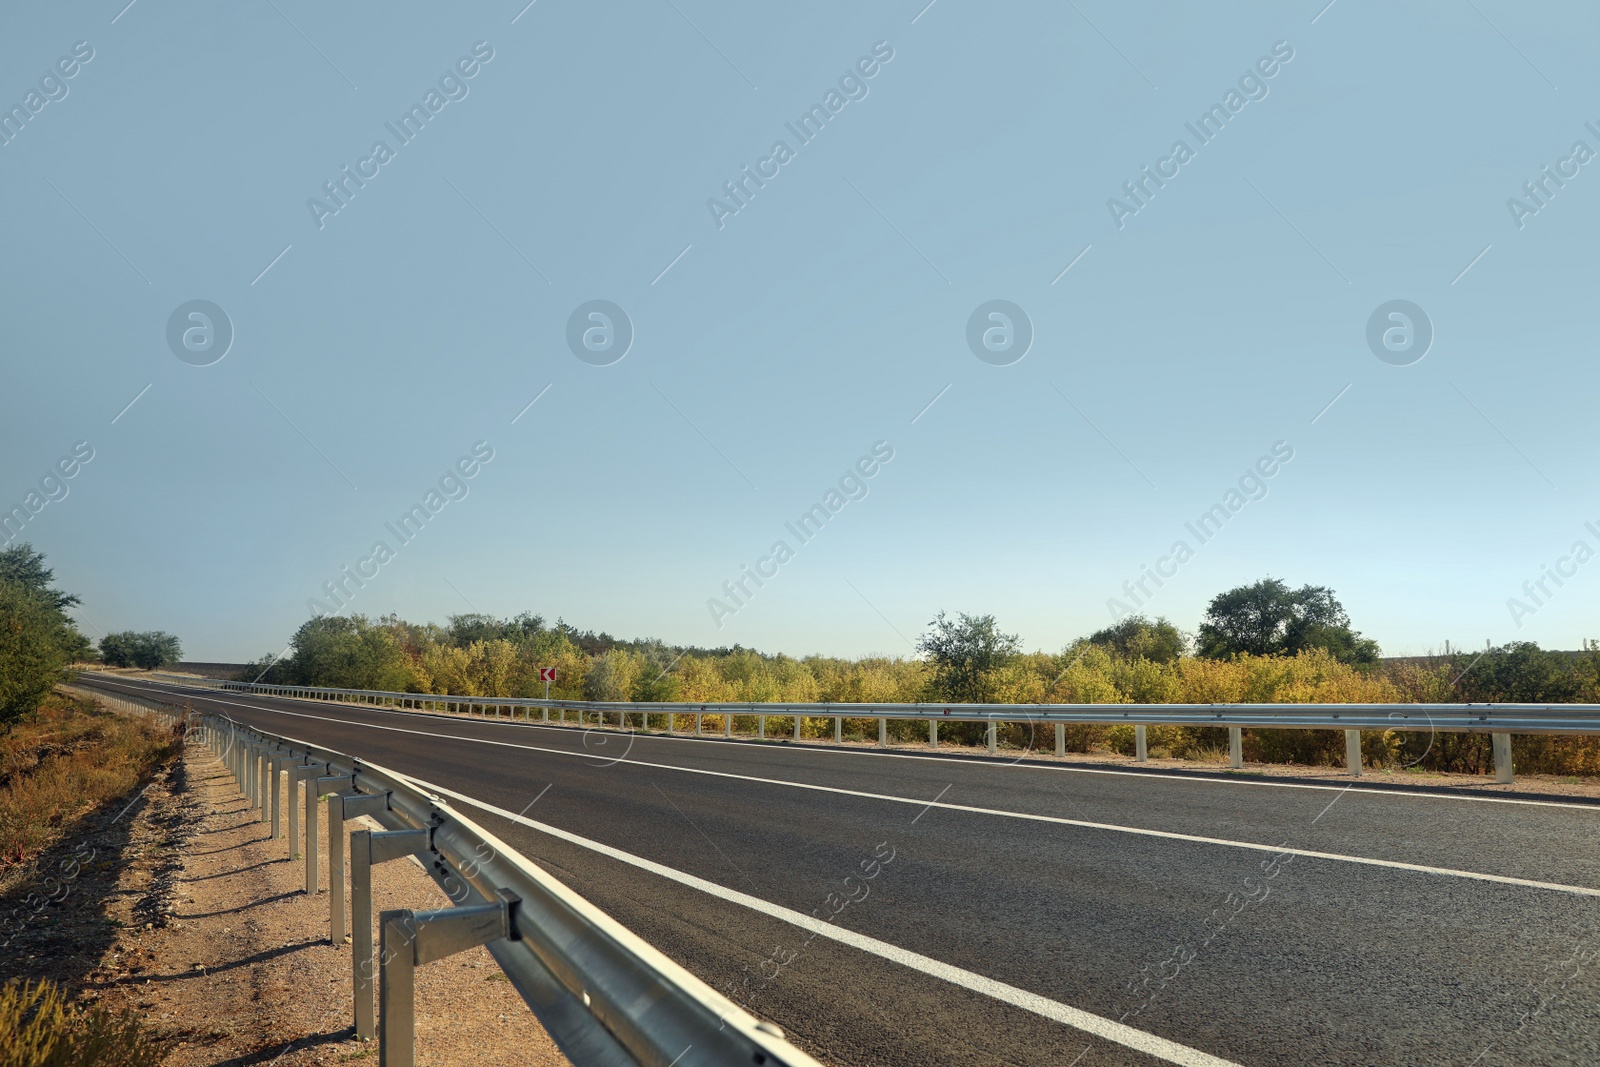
180 908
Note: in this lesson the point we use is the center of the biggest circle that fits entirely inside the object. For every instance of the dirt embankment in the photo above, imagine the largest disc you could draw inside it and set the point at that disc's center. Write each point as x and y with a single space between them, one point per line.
176 905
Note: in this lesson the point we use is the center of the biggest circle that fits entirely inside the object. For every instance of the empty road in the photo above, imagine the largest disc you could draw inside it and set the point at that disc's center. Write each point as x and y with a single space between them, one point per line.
988 912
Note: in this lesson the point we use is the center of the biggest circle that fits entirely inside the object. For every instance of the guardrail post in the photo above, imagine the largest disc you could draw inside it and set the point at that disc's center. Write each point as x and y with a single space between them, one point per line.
407 940
761 727
279 766
699 726
307 773
1235 746
1502 758
264 781
838 729
342 806
368 848
313 831
883 733
727 724
1061 739
798 719
293 800
1352 752
990 739
1141 745
933 733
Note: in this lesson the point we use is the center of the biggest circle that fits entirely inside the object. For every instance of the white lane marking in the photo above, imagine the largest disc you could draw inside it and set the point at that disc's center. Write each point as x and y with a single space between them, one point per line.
1099 1026
1143 775
1169 835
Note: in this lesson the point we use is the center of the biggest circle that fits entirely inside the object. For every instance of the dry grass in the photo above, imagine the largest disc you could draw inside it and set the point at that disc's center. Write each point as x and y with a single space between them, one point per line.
64 761
39 1028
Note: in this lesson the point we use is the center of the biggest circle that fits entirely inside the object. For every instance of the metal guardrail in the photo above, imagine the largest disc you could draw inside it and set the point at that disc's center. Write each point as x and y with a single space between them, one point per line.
1499 720
1472 718
607 998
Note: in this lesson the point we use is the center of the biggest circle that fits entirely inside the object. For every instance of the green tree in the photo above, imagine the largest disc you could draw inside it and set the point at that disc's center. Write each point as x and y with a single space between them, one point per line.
264 670
966 653
345 653
656 682
612 675
37 638
465 629
33 640
1136 637
1519 673
148 650
1268 618
21 565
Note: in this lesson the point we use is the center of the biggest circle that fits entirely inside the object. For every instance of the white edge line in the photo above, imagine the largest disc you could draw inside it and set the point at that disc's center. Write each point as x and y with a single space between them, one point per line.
1137 831
1099 1026
1181 777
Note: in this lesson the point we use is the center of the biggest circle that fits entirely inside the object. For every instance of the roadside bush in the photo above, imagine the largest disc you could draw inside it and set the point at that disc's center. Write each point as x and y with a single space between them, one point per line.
40 1028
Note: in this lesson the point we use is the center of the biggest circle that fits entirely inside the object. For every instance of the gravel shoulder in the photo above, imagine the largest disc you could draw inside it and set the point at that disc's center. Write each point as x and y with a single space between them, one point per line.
180 908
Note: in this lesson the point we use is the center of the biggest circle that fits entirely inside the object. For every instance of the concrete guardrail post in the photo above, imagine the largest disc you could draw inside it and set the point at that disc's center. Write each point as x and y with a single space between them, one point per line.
1061 739
1352 752
1141 747
883 733
991 739
1235 746
933 733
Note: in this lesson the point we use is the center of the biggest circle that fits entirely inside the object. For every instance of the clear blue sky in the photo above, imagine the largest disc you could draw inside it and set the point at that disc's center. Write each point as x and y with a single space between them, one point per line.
774 347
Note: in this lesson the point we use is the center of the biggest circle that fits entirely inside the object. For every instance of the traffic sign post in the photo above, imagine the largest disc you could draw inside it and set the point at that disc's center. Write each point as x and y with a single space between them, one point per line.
547 675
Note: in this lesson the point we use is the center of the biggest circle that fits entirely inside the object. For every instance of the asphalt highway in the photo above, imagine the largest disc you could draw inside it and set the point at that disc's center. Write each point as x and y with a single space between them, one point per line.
990 911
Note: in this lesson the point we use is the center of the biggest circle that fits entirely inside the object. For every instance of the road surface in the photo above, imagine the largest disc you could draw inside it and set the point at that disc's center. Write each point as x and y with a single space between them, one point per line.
994 912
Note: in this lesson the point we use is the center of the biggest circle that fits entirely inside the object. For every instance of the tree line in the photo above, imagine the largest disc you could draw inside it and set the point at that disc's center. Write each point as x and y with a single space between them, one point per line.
38 638
1263 642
